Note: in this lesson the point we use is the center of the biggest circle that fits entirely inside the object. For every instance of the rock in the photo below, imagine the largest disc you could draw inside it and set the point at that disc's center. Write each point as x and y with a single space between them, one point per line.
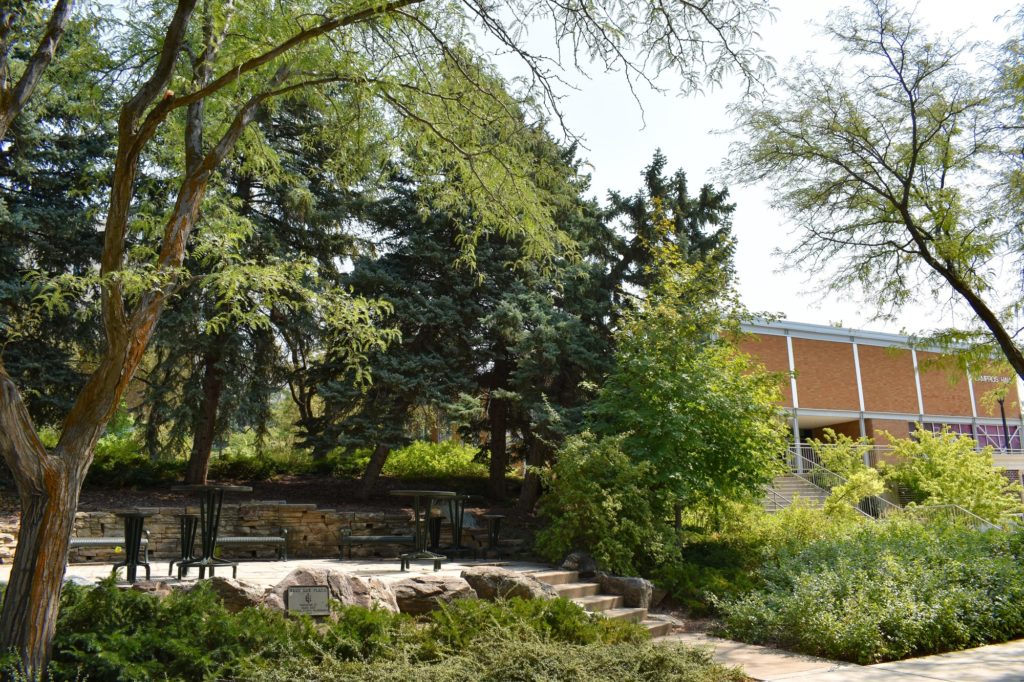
492 582
157 588
658 595
582 563
80 581
636 593
236 594
424 593
346 588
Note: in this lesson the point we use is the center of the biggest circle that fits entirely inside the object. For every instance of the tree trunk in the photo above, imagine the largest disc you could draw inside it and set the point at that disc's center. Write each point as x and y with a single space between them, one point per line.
373 469
32 598
206 418
536 453
498 417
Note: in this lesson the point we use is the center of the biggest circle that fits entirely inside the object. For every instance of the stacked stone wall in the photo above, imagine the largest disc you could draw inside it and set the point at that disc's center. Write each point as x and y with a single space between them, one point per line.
312 532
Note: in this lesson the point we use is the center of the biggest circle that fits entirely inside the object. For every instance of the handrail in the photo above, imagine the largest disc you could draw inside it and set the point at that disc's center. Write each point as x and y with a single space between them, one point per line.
955 511
777 497
814 473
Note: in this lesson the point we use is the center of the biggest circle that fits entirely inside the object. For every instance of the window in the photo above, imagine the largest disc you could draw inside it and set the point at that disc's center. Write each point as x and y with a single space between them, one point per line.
964 429
993 434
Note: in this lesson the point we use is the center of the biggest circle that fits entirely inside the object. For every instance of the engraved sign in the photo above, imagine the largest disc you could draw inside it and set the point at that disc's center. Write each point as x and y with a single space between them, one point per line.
310 600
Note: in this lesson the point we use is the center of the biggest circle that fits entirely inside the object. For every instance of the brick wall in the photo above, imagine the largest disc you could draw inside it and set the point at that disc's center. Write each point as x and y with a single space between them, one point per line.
825 376
887 376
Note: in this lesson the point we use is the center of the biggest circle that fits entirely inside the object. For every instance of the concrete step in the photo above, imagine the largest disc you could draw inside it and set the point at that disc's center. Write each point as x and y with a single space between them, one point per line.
599 602
571 590
557 577
622 613
657 628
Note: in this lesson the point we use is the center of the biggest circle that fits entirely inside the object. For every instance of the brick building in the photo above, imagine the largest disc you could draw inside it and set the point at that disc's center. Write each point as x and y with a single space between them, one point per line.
862 383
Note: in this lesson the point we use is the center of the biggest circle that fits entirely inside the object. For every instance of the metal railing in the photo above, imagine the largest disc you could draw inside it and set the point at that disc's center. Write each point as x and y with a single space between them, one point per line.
951 513
776 501
812 471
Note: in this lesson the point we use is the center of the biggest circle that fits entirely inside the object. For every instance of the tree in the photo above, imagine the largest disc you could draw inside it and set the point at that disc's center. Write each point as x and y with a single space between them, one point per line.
54 161
694 407
889 165
405 57
18 32
514 338
947 468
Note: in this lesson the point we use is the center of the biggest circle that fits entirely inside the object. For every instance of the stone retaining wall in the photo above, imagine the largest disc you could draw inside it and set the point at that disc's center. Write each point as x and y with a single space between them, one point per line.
312 532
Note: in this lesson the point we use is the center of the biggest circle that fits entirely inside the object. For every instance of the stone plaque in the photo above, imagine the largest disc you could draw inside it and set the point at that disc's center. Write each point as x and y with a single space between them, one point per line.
310 600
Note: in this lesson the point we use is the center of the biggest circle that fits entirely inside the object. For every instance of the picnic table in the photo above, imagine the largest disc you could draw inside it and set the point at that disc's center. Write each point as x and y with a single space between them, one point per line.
211 499
421 504
134 519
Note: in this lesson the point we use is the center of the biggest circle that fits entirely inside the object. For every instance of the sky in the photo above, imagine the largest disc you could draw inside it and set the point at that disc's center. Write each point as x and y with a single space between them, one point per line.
620 140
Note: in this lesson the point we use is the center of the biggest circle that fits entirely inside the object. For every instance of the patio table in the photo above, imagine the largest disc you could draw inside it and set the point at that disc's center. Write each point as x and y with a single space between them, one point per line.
457 512
211 498
134 519
421 503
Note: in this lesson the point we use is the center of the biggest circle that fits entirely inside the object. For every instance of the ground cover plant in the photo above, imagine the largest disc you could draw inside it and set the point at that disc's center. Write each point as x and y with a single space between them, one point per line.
106 633
880 591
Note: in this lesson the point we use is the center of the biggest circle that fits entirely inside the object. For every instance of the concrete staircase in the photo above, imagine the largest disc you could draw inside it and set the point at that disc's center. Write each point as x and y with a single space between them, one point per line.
588 595
790 487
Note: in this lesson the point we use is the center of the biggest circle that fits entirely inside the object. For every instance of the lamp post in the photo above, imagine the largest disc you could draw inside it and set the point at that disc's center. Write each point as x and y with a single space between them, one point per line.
1006 429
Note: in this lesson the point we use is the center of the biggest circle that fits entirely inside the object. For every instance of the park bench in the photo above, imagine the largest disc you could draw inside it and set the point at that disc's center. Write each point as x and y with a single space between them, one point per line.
347 540
280 542
109 541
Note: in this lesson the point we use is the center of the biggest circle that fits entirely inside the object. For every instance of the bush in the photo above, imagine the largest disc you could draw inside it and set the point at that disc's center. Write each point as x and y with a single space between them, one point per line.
885 591
600 500
945 468
106 633
531 659
423 459
463 622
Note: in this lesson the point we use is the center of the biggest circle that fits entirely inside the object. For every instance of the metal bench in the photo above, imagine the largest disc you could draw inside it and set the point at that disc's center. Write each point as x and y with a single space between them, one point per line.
347 539
111 541
280 542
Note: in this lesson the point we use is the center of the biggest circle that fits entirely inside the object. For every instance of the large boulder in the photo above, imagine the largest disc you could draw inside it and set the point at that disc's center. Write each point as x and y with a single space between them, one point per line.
492 582
636 593
157 588
423 593
236 594
582 563
346 588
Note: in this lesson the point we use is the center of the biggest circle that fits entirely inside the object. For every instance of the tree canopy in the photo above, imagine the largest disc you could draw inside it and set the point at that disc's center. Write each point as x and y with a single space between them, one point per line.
892 165
185 83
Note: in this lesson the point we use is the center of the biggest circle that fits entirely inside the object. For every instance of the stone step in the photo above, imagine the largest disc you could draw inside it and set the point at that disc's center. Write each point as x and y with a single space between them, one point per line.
657 628
570 590
622 613
599 602
557 577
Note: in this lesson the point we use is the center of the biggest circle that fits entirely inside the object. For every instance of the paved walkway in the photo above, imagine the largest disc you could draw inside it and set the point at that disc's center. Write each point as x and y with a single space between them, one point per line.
271 572
994 663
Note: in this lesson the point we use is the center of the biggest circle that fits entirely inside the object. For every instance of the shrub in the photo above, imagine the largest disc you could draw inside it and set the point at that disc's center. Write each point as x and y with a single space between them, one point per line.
885 591
532 659
945 468
458 625
600 500
105 633
423 459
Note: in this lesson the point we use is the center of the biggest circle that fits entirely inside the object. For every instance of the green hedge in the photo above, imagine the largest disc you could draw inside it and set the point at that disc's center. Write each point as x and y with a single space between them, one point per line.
106 634
886 591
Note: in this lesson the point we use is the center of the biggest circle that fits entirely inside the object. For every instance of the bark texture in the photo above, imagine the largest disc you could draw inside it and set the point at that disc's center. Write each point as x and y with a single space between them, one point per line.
373 469
205 428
